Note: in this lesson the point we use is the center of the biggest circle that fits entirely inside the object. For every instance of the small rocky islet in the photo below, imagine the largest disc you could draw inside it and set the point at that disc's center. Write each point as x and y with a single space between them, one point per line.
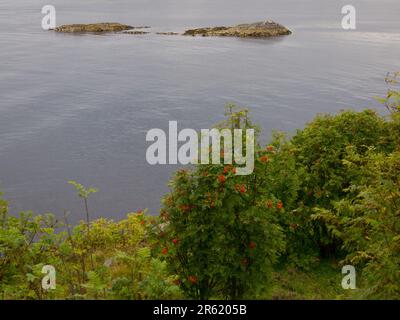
266 29
93 28
136 32
168 33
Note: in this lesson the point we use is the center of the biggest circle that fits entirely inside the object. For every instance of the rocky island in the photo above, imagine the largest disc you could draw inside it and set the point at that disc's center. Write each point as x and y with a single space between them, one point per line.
137 32
94 28
264 29
168 33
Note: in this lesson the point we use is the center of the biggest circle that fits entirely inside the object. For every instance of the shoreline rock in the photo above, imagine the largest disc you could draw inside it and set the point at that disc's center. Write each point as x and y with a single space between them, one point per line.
93 28
264 29
168 33
136 32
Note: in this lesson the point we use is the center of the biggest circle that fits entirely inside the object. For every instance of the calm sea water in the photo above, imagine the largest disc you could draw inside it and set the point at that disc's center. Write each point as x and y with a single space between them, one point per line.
78 107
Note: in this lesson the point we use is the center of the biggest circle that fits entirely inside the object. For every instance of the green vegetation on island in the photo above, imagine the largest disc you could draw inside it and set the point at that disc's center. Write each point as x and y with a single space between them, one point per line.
264 29
93 27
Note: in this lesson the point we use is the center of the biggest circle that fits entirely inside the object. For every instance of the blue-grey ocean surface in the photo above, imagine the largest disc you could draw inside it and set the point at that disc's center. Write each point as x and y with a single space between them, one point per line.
79 106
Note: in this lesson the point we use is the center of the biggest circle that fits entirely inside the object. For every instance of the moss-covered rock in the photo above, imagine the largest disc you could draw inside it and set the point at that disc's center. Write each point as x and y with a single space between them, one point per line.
93 28
264 29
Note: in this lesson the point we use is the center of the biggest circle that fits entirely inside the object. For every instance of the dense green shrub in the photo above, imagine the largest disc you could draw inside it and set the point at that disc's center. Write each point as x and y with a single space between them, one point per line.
369 223
320 151
367 218
221 232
